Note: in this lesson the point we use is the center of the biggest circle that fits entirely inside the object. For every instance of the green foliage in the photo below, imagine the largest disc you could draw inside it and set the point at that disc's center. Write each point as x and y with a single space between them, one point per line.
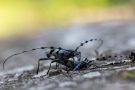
79 3
118 2
20 13
90 3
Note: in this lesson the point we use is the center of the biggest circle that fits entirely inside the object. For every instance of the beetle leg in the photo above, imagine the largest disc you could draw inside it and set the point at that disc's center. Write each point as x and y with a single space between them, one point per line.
42 59
51 64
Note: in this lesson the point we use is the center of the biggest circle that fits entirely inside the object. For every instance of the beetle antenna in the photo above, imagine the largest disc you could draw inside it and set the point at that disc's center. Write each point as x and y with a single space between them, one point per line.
22 53
91 40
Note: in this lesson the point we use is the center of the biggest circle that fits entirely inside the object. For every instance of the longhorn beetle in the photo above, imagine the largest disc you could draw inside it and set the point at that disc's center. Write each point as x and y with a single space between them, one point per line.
63 56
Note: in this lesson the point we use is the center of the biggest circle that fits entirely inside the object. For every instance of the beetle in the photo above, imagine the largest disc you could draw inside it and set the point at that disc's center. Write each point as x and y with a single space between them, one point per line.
69 58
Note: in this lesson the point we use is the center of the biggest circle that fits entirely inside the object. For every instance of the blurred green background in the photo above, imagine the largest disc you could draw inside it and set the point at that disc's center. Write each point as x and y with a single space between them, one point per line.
27 17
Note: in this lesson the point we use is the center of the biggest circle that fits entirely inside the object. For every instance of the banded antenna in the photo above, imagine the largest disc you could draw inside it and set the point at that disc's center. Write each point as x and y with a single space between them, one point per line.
91 40
22 53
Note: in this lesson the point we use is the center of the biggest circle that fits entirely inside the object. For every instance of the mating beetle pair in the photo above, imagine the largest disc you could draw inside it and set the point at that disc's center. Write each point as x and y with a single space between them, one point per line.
71 59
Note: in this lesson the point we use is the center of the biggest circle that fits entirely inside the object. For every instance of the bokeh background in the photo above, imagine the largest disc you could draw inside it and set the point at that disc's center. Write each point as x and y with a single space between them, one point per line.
27 24
29 17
